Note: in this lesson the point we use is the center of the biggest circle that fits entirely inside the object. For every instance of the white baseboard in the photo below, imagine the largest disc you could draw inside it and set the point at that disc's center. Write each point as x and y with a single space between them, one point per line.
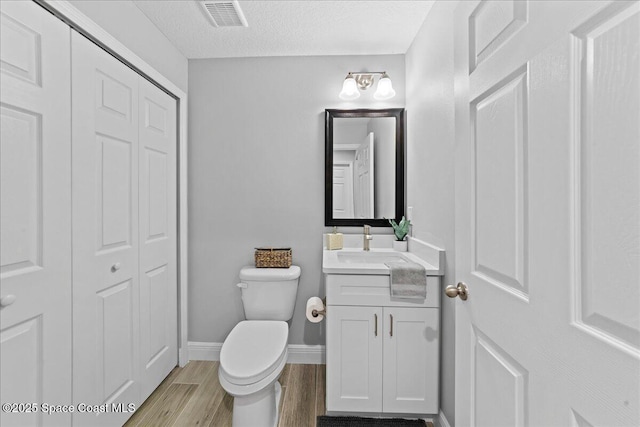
299 354
306 354
204 350
443 420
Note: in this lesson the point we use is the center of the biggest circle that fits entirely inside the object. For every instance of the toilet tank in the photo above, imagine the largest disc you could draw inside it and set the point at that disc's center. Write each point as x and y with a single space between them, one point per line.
269 293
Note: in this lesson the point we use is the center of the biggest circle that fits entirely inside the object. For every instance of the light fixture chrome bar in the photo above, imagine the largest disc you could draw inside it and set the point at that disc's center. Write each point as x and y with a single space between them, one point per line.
363 80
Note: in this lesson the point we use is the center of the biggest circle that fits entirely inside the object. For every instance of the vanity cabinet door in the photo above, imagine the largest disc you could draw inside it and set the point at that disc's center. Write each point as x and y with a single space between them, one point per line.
410 354
354 359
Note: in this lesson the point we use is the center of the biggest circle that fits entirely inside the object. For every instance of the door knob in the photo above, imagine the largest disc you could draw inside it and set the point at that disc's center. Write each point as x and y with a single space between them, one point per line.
7 300
461 290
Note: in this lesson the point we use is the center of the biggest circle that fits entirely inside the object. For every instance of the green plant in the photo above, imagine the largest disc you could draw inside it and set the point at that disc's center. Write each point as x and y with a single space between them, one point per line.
400 229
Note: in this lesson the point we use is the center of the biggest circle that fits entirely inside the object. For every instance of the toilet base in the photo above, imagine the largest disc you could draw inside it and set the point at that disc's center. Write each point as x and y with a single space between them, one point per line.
260 409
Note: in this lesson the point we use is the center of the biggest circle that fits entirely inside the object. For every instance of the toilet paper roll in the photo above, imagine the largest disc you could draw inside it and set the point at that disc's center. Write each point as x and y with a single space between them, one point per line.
314 303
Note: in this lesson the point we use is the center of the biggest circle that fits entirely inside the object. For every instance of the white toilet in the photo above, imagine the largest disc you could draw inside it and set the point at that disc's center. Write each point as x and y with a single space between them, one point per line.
255 351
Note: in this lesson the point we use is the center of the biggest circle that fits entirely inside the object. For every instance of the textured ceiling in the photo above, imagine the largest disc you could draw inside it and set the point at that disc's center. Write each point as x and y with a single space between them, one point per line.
291 28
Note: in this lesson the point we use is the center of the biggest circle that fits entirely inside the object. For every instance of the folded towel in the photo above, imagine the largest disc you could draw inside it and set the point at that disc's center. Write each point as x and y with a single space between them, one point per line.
408 280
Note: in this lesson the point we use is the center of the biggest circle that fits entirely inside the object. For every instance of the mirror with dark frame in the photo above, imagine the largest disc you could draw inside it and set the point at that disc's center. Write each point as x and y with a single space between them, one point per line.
364 166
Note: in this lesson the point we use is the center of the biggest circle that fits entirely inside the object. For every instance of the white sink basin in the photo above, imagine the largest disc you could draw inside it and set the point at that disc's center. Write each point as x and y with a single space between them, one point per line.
357 261
369 257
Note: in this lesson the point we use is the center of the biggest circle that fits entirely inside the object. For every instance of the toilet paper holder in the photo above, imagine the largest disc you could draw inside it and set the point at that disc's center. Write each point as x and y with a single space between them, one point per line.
316 313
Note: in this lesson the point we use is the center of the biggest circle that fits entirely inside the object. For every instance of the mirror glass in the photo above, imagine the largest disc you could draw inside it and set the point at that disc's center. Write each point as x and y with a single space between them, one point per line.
364 171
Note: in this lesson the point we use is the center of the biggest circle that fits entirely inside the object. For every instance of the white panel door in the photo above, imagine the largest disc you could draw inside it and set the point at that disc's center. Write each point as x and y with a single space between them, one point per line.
343 190
106 289
157 209
354 359
35 215
411 353
548 213
364 179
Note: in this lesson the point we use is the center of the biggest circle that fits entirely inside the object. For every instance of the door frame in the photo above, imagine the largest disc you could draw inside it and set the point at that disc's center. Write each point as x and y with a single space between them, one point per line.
90 29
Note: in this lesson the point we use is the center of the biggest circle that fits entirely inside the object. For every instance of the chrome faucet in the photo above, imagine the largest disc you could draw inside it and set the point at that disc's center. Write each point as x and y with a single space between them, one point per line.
366 238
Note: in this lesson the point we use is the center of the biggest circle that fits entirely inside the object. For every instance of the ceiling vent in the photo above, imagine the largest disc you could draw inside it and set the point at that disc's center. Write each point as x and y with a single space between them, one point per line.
224 13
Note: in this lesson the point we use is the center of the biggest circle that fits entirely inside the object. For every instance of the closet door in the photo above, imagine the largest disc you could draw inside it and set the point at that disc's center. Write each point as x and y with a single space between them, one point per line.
35 215
106 288
158 276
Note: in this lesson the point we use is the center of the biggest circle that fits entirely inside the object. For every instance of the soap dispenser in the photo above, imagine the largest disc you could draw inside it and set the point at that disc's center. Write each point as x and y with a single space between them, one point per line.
334 240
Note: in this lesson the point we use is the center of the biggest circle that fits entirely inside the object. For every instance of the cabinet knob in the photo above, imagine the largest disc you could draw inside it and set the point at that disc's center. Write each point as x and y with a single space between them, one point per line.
461 290
7 300
115 267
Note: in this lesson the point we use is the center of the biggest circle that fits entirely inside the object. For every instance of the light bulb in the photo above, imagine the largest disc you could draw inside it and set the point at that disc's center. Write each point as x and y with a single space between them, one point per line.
349 89
385 89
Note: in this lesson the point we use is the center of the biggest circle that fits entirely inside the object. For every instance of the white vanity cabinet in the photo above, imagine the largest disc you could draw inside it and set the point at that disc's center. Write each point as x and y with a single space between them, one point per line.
382 353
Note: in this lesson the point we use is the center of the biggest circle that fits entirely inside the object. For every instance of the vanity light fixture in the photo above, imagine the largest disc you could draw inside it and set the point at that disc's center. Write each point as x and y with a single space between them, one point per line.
354 82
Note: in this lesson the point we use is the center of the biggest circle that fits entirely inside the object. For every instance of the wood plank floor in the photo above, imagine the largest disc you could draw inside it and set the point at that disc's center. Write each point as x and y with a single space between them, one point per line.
193 396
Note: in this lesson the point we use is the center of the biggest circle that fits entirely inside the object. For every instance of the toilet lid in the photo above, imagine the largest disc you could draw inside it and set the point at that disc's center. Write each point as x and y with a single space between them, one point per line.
253 349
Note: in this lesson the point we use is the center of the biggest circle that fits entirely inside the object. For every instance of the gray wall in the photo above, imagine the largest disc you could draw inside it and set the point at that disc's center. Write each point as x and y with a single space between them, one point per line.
124 21
430 156
349 131
256 174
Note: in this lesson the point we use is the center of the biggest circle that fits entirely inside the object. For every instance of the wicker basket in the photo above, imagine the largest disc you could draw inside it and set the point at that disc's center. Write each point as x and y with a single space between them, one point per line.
273 257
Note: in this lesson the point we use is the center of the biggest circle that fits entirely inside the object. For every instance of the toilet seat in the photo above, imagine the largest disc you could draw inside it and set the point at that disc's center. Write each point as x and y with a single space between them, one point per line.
253 350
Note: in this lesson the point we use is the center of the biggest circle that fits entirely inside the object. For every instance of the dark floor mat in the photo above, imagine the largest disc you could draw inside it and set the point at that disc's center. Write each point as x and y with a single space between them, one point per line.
326 421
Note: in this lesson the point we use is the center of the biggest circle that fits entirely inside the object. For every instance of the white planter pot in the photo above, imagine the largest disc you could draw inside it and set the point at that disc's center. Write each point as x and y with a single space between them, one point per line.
400 245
